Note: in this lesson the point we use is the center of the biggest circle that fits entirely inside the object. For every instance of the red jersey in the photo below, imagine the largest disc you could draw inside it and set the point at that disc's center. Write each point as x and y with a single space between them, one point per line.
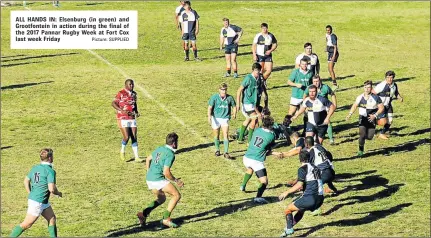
126 100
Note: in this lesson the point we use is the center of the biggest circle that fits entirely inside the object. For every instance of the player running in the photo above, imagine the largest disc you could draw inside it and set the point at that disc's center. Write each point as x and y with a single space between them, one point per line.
308 179
333 53
189 20
312 59
229 37
264 43
40 183
159 175
370 107
262 141
220 108
127 112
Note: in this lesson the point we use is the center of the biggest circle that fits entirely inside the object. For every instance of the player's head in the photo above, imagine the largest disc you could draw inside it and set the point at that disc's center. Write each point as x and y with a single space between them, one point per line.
287 120
294 137
223 89
129 84
267 122
266 111
172 140
182 3
309 141
264 27
46 155
328 29
312 91
256 68
304 156
368 86
389 76
225 22
316 81
303 64
308 48
187 5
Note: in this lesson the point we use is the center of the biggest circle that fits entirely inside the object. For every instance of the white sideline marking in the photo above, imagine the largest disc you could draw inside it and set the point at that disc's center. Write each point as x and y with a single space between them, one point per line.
251 10
367 43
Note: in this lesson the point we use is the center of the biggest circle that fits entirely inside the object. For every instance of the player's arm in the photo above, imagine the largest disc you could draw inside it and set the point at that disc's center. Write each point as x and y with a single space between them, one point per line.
291 81
266 98
221 41
291 190
197 27
317 65
335 48
330 112
135 109
299 112
294 151
53 189
210 110
352 110
334 99
239 36
27 184
234 109
167 173
148 162
117 106
176 20
238 96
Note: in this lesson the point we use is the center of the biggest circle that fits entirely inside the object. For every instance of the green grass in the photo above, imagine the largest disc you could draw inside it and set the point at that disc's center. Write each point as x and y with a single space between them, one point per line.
68 109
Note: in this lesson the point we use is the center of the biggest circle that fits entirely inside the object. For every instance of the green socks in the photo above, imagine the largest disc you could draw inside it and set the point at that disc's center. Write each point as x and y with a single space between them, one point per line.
150 207
330 135
52 231
166 214
245 179
17 230
217 143
226 146
241 133
250 134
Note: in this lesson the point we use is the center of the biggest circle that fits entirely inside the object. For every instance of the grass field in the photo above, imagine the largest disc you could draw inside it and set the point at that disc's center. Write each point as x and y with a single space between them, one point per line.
62 99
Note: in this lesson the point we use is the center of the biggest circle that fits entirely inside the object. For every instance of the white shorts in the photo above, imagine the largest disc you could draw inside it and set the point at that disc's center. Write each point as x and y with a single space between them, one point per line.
128 123
246 109
295 101
36 208
159 185
217 122
253 164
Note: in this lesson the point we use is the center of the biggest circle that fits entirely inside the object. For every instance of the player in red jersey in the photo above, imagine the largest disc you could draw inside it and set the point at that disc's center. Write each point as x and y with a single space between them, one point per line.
127 112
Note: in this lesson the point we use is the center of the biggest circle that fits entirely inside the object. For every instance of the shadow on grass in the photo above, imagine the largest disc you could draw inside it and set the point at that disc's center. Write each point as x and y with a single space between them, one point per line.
282 68
217 48
355 137
371 217
229 208
11 56
405 147
18 64
89 4
222 56
38 57
360 86
344 176
370 181
342 108
345 77
6 147
14 86
418 132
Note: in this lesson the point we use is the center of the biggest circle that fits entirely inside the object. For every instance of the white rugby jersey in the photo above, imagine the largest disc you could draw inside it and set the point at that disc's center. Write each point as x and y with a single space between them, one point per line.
230 34
317 109
264 43
367 107
386 92
188 20
312 60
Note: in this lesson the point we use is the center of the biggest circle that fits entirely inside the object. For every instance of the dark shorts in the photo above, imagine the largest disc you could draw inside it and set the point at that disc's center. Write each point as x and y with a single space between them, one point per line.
319 130
265 58
231 49
327 175
363 121
388 109
189 36
309 202
330 54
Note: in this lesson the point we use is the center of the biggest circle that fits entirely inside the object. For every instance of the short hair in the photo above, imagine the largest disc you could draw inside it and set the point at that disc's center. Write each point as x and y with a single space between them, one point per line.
45 154
305 59
187 3
309 140
128 80
304 156
171 138
316 76
368 82
264 25
329 26
312 87
307 44
223 85
390 73
226 19
256 66
295 134
267 122
287 120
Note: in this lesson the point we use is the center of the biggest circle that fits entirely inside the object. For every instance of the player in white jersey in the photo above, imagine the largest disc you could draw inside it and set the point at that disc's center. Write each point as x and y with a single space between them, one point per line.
333 53
189 20
229 38
312 59
264 43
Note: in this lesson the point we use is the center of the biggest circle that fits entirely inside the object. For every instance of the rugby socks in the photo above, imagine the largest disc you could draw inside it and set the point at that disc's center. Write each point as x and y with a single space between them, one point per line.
305 120
166 214
17 230
52 231
250 134
361 147
217 143
123 146
195 53
150 207
298 216
330 135
228 70
135 150
235 71
289 220
386 128
245 179
241 133
187 53
226 146
260 190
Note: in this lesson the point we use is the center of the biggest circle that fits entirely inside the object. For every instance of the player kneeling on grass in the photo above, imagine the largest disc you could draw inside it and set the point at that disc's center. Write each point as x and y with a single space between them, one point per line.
220 108
311 199
159 174
260 146
40 183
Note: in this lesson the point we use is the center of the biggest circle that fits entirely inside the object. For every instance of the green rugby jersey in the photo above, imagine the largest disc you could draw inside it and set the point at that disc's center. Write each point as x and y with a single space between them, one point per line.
251 91
298 77
40 176
261 142
161 157
324 91
221 107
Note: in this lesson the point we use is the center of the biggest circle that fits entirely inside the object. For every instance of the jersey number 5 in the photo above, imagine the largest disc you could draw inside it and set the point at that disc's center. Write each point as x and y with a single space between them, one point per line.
36 177
258 142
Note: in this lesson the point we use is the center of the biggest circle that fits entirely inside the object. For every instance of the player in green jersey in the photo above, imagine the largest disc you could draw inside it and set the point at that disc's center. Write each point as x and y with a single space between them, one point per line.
260 146
158 178
220 108
40 183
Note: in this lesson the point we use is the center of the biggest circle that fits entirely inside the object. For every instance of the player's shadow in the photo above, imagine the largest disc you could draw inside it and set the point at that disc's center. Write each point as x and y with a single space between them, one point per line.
370 181
38 57
405 147
89 4
360 86
6 147
18 64
230 208
282 68
345 126
342 108
371 217
11 56
385 193
217 48
196 147
355 137
418 132
344 176
222 56
345 77
15 86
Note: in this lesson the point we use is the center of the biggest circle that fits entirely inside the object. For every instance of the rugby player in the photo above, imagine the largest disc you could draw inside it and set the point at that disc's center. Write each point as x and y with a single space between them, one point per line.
264 43
189 20
333 53
312 59
229 37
